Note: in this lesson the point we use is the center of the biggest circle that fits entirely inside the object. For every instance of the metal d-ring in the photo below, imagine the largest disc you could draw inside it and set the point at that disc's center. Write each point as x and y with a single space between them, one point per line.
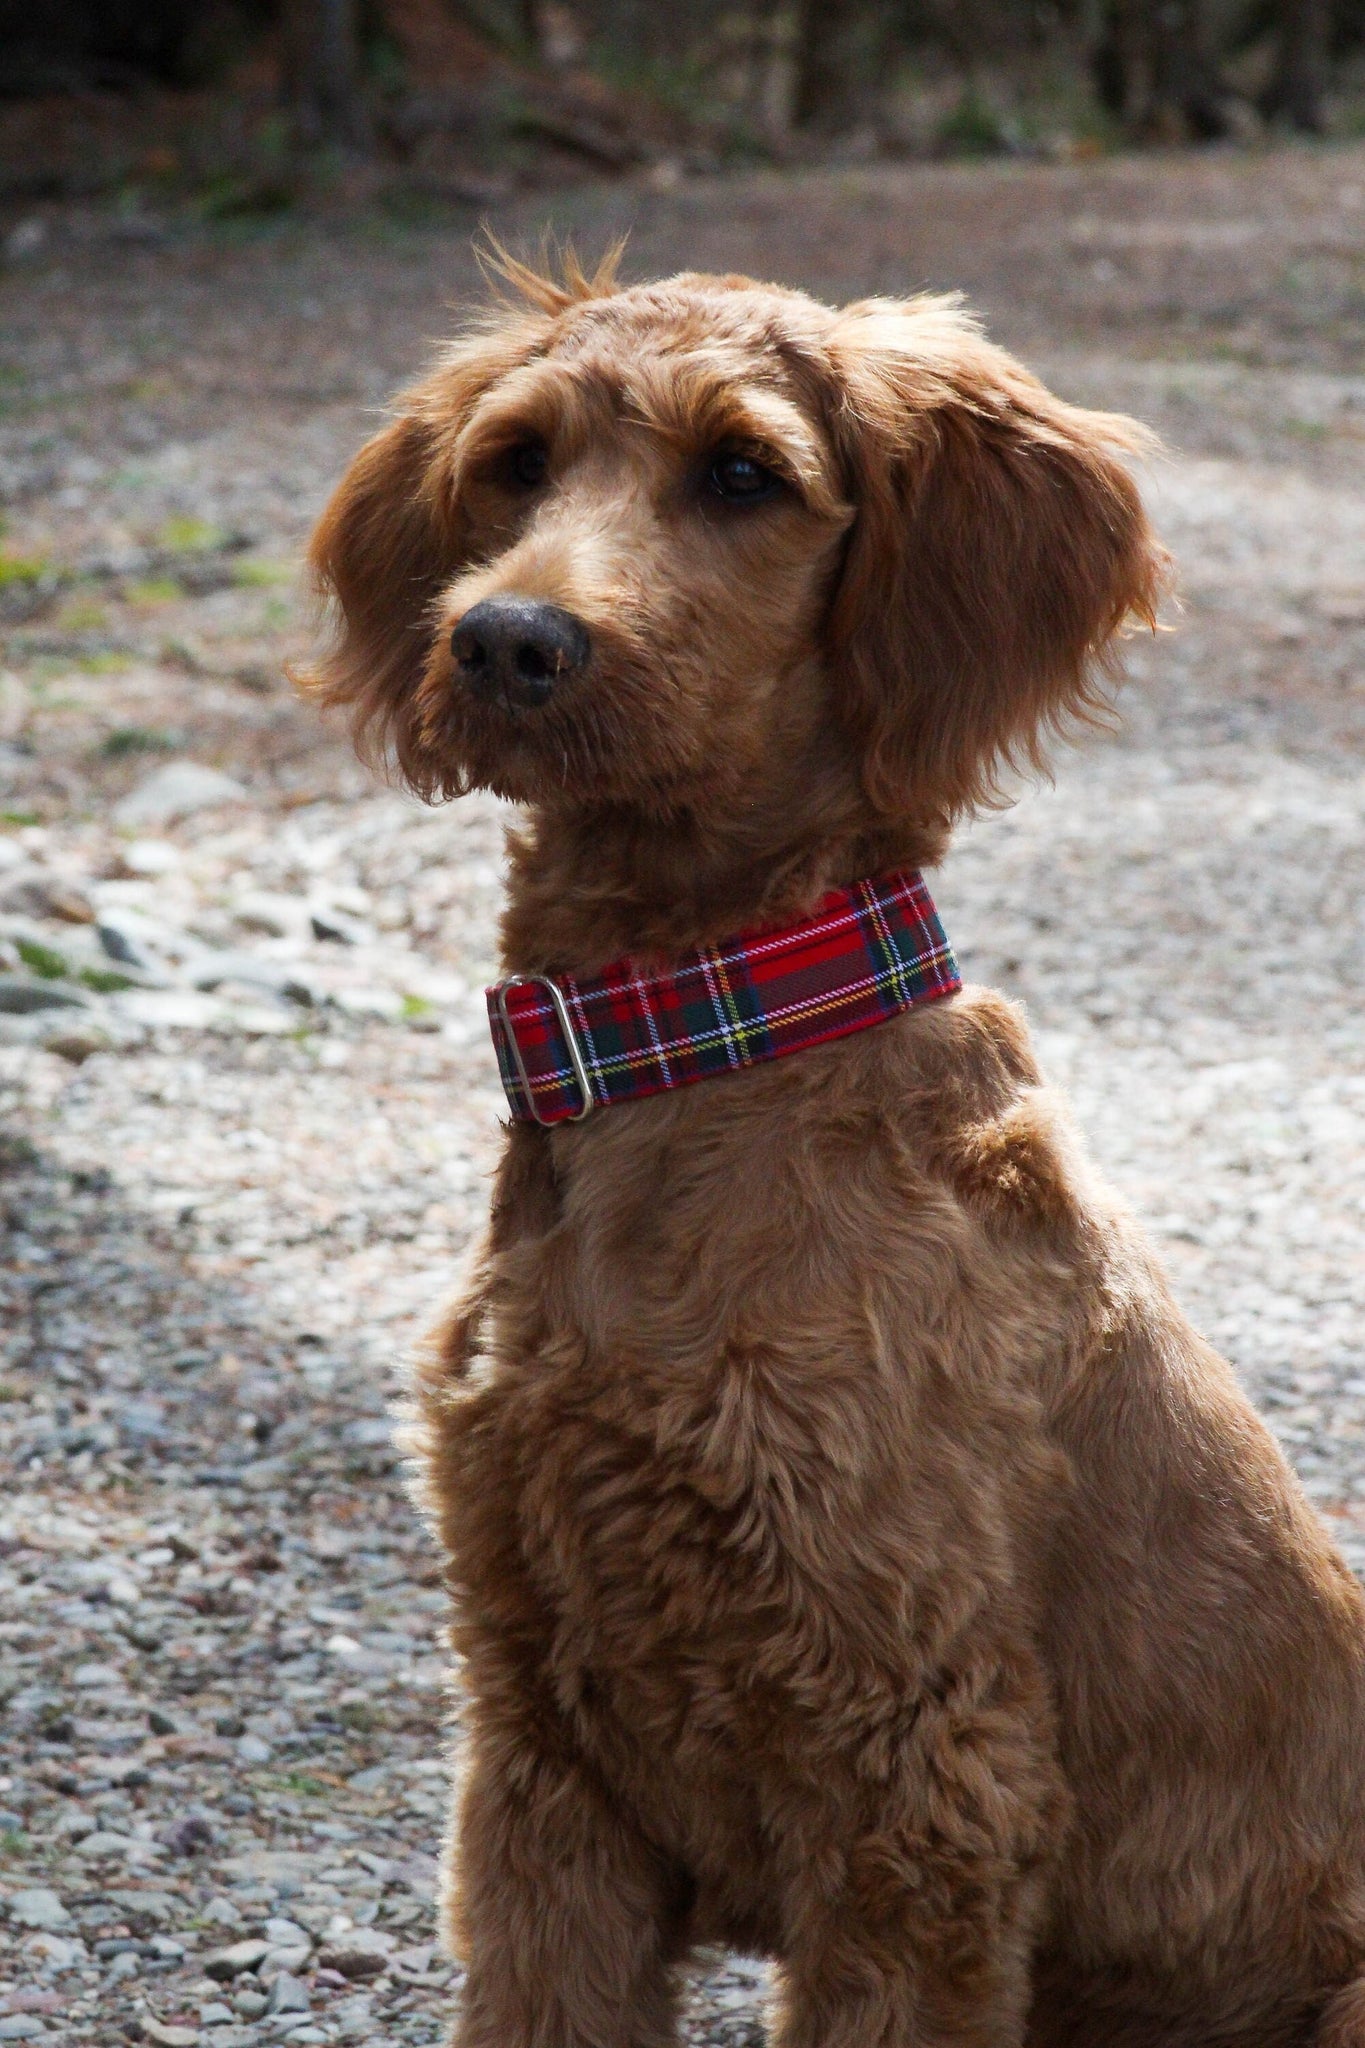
576 1060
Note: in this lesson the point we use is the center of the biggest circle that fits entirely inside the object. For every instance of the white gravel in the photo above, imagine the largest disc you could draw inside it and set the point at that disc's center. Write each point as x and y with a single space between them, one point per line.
235 1189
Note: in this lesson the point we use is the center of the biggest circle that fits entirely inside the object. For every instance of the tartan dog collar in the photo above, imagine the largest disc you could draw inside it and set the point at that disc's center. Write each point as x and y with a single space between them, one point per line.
566 1047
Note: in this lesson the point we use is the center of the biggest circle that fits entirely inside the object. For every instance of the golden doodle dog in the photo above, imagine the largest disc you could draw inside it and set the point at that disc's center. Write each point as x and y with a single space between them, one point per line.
857 1558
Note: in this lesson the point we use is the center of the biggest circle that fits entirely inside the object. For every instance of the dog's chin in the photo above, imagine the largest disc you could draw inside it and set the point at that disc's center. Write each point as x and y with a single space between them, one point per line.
549 755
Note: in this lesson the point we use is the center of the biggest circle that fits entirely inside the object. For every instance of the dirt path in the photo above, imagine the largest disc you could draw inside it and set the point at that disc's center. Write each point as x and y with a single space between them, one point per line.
235 1188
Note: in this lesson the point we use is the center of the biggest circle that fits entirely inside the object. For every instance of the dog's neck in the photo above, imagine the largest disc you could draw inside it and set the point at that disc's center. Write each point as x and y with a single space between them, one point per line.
592 885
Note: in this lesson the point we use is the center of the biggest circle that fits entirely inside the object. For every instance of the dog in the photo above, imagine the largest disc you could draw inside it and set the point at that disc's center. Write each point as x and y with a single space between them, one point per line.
857 1559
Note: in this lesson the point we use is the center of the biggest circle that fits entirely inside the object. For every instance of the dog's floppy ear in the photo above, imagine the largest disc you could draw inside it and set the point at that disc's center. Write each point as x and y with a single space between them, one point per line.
999 545
391 539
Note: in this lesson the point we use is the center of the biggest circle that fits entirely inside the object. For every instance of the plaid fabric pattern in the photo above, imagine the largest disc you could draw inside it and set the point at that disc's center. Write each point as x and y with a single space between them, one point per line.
867 954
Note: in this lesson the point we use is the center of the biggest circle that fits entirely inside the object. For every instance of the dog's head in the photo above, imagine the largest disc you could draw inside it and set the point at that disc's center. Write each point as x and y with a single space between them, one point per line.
704 545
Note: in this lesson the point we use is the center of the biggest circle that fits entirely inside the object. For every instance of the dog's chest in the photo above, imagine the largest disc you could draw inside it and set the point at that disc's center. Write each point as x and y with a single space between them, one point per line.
706 1444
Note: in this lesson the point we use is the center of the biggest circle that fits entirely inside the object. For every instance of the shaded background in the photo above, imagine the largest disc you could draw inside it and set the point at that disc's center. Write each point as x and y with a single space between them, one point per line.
242 106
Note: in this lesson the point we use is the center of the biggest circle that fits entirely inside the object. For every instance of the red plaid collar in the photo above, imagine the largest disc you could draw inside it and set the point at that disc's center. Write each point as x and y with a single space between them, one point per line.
566 1047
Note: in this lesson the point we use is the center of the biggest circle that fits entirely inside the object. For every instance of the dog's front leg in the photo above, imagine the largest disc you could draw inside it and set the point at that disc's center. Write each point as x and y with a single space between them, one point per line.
563 1912
878 1974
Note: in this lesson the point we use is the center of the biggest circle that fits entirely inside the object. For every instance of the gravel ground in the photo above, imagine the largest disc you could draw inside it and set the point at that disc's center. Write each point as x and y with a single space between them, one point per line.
247 1106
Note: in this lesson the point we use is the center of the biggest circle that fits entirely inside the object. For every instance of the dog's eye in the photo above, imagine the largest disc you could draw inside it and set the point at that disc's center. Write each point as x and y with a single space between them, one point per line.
527 465
741 479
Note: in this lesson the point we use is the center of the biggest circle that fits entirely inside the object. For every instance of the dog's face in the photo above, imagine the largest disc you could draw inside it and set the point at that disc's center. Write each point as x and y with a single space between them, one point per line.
654 523
688 548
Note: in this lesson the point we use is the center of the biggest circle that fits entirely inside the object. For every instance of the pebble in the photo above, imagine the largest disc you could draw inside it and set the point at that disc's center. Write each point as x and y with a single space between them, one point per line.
103 1843
149 857
287 1934
176 791
90 1676
227 1963
78 1042
349 1960
289 1994
34 892
38 1908
19 994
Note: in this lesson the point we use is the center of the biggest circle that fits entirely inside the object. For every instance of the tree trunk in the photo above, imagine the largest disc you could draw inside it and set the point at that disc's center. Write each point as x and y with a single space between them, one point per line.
322 73
1295 92
824 93
1155 68
1186 93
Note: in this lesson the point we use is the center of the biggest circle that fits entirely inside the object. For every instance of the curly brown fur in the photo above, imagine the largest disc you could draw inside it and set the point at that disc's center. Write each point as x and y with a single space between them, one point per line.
857 1559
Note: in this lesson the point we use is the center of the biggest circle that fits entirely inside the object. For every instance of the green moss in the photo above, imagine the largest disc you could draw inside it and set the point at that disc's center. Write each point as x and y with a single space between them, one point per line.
364 1719
260 575
44 960
17 569
191 536
82 615
105 981
137 739
107 664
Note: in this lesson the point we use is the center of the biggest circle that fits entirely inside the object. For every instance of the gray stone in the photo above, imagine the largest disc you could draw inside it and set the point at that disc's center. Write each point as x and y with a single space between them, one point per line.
289 1994
104 1843
277 915
91 1676
287 1957
20 994
386 1004
287 1933
22 2026
336 926
123 941
162 1907
227 1963
223 1912
275 976
170 1009
150 857
177 791
38 1908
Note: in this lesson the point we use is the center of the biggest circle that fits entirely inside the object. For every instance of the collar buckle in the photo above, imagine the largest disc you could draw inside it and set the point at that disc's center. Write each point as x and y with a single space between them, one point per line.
569 1035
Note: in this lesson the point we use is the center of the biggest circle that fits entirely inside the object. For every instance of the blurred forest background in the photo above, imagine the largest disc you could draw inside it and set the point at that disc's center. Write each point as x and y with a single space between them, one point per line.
249 106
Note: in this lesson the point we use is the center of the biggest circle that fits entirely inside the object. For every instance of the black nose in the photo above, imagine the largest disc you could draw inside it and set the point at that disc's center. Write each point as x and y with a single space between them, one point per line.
517 648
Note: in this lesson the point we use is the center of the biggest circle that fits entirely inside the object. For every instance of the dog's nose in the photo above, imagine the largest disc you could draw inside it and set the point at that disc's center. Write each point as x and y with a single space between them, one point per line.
518 648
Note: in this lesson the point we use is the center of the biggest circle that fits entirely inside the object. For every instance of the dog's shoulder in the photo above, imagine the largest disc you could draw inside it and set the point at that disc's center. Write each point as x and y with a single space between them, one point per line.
975 1100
